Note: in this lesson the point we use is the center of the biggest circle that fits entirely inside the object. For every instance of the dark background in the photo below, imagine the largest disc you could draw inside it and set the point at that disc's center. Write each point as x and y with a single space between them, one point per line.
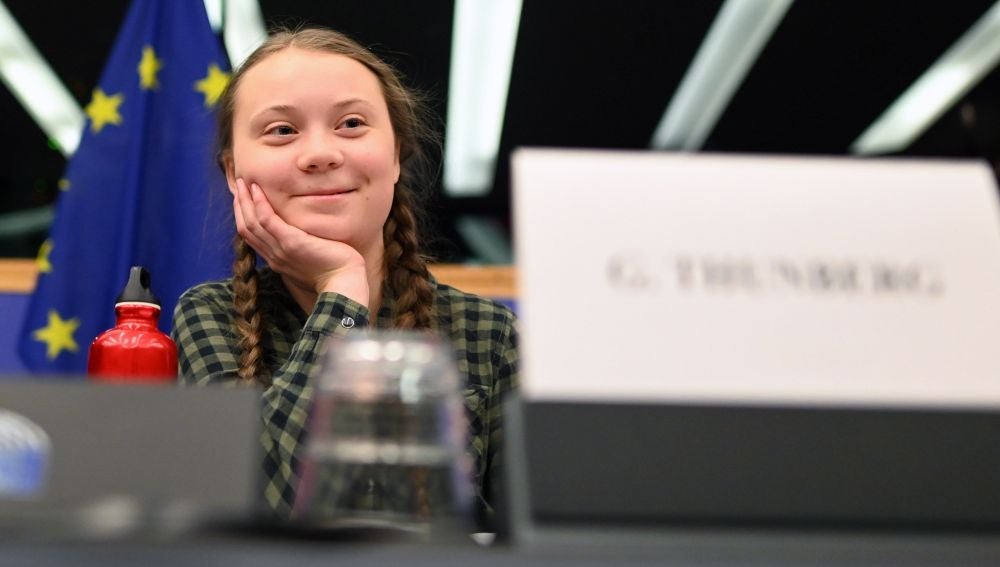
586 74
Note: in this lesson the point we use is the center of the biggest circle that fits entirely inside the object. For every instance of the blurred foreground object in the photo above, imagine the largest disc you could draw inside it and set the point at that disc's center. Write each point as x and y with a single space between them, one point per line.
112 461
387 438
24 455
810 342
135 350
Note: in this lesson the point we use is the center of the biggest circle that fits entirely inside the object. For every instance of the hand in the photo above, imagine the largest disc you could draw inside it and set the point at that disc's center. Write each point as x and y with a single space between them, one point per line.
310 262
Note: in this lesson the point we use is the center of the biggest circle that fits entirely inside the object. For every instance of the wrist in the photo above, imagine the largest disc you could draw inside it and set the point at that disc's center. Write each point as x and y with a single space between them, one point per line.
351 282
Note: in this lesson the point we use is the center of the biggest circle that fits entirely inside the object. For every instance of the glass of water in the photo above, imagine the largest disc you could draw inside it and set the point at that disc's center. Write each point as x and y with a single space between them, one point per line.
387 437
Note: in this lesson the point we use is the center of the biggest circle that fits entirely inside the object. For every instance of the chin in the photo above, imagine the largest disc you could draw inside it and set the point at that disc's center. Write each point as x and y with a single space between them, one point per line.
328 233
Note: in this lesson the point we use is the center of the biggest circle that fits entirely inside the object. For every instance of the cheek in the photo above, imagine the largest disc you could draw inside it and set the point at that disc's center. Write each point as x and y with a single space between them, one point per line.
378 160
264 168
379 207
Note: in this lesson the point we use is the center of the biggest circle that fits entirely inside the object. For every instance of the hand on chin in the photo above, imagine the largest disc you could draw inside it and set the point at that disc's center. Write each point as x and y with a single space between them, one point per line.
308 260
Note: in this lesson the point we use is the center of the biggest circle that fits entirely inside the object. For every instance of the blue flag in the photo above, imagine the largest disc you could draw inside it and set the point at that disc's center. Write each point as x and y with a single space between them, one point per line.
142 189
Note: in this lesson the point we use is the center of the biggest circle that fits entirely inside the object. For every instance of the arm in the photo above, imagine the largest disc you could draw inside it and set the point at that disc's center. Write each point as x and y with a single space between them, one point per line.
505 380
207 353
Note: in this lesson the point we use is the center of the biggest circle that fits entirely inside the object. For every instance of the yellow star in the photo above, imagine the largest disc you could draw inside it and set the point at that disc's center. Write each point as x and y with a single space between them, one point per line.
64 184
149 65
42 261
103 109
212 85
57 335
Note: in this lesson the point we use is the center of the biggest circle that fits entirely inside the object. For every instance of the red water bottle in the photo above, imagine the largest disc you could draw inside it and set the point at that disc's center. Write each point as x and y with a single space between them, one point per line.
135 350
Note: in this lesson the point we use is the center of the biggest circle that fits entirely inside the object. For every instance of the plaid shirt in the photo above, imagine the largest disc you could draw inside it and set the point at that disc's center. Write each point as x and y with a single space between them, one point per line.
481 331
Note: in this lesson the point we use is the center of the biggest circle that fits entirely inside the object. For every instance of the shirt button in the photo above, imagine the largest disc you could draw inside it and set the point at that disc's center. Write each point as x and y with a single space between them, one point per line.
347 322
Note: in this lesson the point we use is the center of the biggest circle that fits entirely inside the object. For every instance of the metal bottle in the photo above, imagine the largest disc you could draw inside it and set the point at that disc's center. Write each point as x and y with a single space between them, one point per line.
135 350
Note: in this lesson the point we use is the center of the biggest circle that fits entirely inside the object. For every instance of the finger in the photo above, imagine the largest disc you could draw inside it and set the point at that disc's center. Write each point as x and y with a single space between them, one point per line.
245 203
251 219
270 220
247 225
263 210
241 225
243 231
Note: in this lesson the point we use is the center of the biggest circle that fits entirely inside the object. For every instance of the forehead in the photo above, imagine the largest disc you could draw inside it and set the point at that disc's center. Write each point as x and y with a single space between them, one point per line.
294 76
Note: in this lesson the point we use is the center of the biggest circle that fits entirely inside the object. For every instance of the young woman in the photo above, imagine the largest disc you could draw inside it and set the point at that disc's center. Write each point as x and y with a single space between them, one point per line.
323 151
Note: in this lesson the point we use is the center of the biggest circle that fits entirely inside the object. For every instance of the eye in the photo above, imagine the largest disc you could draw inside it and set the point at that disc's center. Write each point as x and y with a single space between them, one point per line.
352 123
280 130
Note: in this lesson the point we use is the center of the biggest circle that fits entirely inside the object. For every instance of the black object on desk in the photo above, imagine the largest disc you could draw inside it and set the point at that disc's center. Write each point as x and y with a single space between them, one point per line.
122 458
578 466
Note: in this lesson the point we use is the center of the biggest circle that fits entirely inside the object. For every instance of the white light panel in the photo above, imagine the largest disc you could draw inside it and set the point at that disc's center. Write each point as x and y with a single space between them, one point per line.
37 87
482 50
953 75
731 46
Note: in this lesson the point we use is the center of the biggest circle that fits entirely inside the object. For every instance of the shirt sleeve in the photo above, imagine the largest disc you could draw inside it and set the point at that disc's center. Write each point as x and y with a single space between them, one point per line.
505 381
208 353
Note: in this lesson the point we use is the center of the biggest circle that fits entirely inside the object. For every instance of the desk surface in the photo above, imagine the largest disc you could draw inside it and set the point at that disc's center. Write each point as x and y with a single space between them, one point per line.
679 547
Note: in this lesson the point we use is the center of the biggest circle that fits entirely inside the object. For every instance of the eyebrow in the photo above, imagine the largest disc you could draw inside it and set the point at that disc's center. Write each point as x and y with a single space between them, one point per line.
291 108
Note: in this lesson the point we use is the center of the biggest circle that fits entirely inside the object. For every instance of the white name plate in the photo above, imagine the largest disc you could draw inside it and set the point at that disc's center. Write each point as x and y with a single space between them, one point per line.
707 278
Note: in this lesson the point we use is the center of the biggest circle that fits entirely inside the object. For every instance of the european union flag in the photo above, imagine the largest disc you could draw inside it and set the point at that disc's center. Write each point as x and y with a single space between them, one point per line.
142 189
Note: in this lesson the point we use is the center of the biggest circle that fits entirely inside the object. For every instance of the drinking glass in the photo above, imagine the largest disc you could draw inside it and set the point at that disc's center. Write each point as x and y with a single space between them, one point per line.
387 437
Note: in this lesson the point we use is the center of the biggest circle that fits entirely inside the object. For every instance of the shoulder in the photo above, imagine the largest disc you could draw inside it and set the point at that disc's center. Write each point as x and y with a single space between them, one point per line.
207 293
221 293
209 303
470 312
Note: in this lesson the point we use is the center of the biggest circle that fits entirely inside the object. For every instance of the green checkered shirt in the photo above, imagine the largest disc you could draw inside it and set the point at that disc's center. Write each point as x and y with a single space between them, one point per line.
481 331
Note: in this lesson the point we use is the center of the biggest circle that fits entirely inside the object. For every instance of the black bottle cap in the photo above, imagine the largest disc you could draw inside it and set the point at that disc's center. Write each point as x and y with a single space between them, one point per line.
137 288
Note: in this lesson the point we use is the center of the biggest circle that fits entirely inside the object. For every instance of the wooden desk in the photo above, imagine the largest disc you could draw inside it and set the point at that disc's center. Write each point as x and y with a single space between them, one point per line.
18 276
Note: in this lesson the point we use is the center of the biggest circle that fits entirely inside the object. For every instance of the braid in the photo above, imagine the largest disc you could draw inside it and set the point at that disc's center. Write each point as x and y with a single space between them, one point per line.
406 269
249 321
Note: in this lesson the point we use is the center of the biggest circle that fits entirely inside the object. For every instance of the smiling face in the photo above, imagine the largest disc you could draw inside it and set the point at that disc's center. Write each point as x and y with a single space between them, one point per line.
312 130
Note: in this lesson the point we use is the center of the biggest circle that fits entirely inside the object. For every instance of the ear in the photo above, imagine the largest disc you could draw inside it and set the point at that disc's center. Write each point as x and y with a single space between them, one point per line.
229 166
395 165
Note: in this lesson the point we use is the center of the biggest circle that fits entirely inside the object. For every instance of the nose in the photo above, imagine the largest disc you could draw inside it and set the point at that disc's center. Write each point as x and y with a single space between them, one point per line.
320 152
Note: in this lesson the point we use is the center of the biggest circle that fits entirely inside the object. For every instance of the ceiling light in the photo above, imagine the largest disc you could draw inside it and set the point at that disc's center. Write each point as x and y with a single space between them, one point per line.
482 51
37 87
965 63
731 46
214 10
244 29
489 241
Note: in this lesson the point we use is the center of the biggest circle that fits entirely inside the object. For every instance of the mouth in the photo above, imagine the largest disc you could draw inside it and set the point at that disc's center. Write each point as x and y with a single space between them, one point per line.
328 192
